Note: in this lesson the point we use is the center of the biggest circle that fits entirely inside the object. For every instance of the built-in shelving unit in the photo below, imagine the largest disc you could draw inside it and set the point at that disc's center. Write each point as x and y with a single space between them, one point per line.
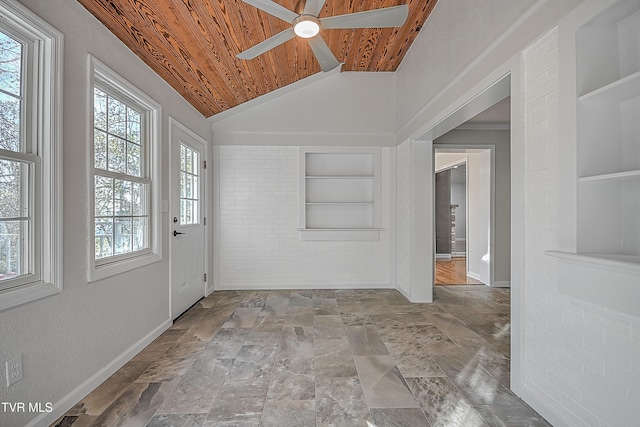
339 193
607 246
608 76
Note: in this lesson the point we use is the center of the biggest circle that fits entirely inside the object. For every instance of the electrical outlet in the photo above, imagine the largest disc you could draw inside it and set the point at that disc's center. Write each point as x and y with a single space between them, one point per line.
14 370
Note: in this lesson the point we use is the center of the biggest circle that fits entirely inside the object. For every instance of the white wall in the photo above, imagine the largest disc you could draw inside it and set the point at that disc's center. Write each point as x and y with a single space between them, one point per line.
260 245
459 197
67 338
340 109
257 242
575 362
479 235
581 359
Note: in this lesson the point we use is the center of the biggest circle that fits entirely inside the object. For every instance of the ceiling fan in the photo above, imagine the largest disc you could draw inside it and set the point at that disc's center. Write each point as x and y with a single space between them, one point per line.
307 25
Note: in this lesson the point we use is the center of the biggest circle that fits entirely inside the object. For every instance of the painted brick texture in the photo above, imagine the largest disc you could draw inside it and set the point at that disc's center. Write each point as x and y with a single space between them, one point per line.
582 362
260 245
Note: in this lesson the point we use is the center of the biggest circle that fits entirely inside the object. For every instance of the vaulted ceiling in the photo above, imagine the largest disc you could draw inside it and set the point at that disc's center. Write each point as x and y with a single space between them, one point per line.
192 44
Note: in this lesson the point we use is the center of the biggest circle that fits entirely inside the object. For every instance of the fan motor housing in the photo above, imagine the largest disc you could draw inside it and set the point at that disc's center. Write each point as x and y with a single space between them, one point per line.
306 26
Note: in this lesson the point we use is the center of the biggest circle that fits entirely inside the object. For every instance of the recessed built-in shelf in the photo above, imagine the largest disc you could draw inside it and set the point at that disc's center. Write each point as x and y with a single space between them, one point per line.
340 193
625 88
340 177
343 234
609 280
618 176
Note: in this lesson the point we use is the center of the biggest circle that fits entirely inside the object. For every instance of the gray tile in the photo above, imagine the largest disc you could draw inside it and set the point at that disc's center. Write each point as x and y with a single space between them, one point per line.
273 417
398 417
242 318
443 404
197 390
382 383
340 401
177 420
296 341
271 358
333 359
365 341
292 385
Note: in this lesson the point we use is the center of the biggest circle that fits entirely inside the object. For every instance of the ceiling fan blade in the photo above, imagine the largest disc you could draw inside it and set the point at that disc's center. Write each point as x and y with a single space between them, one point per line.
266 45
378 18
273 8
323 54
313 7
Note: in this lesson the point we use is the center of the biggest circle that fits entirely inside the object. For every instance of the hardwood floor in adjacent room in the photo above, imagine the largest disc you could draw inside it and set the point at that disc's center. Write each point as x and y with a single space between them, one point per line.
321 358
453 272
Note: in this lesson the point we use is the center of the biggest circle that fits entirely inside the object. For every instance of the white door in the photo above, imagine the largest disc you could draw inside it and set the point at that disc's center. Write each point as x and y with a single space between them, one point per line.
187 220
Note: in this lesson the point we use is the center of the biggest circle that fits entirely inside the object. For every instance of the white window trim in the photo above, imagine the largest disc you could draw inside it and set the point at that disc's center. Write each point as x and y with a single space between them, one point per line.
100 270
47 99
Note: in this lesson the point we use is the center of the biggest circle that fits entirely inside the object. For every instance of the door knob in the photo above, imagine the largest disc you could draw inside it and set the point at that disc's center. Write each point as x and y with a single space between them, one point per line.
175 233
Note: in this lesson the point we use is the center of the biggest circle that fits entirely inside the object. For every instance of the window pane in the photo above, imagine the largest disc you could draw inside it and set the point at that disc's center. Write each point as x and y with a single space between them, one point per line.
188 185
100 149
99 109
9 122
133 126
13 234
12 175
104 237
139 199
11 64
196 163
122 235
104 196
188 167
116 158
183 212
194 190
117 121
183 178
139 233
122 198
183 155
133 159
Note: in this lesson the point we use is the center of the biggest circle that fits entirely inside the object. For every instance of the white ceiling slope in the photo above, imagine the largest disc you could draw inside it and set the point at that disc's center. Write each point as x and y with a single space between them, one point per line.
348 108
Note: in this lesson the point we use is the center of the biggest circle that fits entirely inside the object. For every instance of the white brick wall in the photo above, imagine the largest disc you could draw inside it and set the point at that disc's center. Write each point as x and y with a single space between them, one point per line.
260 245
582 362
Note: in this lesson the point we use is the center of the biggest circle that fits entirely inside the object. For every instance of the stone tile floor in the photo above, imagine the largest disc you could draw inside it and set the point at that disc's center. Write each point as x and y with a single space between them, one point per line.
321 358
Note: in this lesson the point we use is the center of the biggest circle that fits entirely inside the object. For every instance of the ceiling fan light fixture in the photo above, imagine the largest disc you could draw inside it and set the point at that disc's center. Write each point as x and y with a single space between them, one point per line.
306 26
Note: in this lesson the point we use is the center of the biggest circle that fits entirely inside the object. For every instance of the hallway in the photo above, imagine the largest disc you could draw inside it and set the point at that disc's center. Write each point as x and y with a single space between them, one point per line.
321 357
453 272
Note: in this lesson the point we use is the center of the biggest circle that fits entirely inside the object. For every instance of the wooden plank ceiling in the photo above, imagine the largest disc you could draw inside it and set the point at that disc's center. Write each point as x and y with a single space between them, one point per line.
192 44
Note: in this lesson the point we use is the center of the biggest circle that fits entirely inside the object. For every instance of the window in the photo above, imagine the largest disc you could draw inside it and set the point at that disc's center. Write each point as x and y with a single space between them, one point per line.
30 196
125 174
189 186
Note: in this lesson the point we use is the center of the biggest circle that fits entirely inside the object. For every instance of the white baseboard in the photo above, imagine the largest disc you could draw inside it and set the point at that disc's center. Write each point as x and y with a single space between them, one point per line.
501 284
284 286
473 275
443 257
67 402
552 417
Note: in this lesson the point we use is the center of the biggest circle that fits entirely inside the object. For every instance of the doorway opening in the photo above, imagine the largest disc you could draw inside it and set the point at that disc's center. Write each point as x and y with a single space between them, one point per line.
472 208
451 213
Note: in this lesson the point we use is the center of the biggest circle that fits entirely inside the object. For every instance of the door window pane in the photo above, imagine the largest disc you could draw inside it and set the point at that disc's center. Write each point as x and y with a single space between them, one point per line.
189 186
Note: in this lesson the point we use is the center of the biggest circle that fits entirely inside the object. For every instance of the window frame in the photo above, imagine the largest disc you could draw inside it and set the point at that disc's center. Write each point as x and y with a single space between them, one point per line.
41 129
105 79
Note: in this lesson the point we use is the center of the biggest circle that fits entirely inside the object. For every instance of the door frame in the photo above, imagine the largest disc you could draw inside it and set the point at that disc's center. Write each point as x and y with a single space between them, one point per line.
173 124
